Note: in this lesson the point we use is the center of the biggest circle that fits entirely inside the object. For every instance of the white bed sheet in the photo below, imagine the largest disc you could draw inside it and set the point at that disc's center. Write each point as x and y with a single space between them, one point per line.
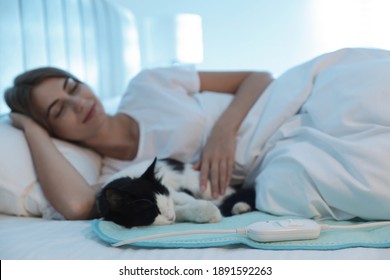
26 238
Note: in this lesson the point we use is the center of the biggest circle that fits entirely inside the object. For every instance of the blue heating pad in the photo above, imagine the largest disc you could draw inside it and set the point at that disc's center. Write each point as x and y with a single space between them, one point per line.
378 237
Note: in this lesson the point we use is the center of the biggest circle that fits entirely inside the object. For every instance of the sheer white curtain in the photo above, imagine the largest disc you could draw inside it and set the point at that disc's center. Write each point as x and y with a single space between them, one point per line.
70 34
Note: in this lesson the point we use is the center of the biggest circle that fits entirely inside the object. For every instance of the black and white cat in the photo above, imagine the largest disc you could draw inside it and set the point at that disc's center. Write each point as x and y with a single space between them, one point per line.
167 192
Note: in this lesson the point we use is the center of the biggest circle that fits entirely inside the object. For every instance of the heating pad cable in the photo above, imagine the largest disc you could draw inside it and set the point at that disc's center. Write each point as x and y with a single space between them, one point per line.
266 231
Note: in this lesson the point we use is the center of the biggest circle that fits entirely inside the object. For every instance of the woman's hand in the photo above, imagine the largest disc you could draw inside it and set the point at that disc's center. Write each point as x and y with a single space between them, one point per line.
20 121
217 158
24 122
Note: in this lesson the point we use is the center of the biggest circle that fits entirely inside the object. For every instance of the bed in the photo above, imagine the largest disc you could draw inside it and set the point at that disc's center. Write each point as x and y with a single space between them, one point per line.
98 41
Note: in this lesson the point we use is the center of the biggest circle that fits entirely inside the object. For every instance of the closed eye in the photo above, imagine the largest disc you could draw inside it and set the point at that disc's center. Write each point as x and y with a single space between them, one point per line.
147 201
140 200
55 109
59 110
71 85
75 88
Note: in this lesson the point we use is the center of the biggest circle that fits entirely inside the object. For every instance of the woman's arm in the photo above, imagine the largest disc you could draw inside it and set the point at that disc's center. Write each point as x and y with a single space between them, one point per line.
217 157
61 183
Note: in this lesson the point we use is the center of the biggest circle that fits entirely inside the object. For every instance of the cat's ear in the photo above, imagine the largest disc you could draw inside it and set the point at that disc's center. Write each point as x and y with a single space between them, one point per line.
149 173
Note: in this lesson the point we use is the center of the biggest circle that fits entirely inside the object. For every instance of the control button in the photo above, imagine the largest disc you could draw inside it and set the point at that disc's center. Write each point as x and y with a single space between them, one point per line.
290 223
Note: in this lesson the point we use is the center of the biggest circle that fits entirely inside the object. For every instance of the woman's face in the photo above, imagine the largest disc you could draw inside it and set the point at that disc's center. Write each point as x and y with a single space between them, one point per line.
70 108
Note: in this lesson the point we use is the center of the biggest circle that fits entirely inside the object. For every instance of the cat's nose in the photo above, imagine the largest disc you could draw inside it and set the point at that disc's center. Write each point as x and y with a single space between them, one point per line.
171 217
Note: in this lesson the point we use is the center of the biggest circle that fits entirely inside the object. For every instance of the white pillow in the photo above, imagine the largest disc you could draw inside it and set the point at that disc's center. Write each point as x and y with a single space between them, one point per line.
20 192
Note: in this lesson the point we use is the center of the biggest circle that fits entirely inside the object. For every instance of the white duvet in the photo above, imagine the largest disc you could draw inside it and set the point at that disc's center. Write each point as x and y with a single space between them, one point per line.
323 139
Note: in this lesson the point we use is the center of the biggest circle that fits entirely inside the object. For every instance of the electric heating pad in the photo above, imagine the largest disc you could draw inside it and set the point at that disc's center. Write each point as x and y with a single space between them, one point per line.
255 229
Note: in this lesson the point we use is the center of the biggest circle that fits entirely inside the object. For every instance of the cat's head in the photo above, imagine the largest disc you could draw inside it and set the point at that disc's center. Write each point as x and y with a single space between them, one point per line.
139 201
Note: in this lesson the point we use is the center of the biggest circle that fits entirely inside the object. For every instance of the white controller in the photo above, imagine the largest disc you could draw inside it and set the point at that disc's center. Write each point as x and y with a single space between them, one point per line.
284 230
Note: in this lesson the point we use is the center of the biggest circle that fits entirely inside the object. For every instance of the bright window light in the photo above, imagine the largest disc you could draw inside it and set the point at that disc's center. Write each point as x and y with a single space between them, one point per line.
351 23
173 39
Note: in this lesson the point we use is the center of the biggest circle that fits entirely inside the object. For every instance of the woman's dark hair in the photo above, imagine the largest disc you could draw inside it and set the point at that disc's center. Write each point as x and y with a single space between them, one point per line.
18 97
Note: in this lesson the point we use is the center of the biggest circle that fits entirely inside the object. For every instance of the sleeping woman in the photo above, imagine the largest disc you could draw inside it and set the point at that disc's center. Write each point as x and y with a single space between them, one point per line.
159 116
315 142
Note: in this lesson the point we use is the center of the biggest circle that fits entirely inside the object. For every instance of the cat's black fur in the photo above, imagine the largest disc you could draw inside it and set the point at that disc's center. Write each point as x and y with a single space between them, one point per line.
245 195
174 164
144 200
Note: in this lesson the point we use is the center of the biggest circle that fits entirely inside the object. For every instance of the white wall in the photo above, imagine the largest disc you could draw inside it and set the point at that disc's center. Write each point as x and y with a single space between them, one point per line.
274 34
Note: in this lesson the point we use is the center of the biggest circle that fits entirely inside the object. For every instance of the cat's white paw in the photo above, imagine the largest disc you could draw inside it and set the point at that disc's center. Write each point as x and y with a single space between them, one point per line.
240 208
198 211
207 212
